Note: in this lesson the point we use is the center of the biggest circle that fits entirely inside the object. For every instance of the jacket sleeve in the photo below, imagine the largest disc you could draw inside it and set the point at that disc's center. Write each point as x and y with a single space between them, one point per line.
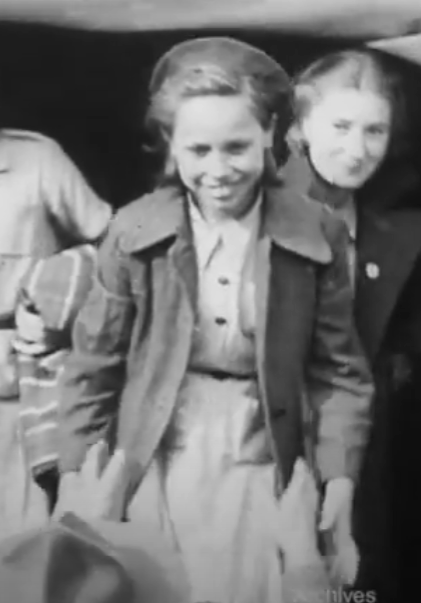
95 372
340 385
82 215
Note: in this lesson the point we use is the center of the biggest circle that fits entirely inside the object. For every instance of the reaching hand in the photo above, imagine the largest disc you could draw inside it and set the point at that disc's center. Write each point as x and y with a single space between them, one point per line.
336 519
95 492
297 518
31 331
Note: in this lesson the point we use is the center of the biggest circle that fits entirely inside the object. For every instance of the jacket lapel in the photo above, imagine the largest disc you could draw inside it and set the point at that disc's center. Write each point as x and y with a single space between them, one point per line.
167 219
286 289
291 247
184 259
388 245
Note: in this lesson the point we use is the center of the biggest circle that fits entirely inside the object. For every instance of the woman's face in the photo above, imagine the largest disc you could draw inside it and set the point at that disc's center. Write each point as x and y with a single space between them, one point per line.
348 133
219 149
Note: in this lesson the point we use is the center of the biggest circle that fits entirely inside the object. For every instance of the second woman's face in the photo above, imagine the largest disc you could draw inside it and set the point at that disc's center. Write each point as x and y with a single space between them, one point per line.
219 148
348 133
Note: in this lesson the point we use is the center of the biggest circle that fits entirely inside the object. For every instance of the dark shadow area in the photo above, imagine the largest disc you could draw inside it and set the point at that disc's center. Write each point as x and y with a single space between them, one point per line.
88 90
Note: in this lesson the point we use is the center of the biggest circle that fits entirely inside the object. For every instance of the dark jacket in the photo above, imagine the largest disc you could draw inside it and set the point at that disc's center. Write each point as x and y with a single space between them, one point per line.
388 319
133 338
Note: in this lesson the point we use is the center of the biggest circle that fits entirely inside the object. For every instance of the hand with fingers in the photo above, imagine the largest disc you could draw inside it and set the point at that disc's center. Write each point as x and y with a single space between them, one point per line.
297 518
97 490
343 554
305 578
31 331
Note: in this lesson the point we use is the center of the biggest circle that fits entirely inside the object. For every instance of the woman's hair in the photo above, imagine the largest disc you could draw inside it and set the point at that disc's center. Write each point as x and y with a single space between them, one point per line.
267 104
350 69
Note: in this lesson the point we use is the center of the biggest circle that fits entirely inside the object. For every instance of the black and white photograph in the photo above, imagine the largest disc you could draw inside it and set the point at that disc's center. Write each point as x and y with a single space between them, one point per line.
210 301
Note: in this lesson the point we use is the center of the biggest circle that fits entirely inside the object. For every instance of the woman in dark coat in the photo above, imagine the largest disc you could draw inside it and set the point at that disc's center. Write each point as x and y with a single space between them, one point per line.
218 297
347 138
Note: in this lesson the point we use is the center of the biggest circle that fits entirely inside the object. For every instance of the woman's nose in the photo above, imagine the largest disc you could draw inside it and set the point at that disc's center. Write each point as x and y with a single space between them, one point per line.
217 166
355 146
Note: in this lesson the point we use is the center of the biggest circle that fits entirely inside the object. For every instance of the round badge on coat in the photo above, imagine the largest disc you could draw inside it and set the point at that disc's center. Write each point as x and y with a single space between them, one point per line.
372 270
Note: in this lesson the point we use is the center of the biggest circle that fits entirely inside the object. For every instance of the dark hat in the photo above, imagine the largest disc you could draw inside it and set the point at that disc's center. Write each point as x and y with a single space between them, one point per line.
231 55
70 562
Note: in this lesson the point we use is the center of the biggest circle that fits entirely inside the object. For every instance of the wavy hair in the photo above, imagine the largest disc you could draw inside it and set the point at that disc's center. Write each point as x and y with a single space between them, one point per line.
268 104
364 70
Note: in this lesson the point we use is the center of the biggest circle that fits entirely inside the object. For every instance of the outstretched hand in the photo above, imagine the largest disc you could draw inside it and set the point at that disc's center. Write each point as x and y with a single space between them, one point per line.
297 518
97 491
336 522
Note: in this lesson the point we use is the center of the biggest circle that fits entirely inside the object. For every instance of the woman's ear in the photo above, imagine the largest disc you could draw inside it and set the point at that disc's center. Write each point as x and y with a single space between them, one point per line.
295 137
170 168
270 132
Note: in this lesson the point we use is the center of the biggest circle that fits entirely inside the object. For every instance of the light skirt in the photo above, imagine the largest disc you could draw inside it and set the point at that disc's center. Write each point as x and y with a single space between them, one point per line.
211 494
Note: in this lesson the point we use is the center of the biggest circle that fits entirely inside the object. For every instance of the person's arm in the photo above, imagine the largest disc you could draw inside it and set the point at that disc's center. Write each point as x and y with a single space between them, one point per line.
95 371
305 578
340 391
78 210
340 386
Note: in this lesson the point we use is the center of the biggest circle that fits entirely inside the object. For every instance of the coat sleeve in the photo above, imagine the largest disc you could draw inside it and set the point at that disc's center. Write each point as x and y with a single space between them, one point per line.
82 215
95 372
340 385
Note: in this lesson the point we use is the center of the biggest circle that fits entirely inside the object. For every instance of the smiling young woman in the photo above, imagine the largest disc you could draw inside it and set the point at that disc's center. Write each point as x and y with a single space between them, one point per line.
345 109
219 297
349 134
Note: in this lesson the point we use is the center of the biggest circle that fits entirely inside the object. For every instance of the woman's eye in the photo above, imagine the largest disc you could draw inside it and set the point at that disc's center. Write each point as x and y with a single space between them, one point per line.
199 151
342 126
377 131
236 148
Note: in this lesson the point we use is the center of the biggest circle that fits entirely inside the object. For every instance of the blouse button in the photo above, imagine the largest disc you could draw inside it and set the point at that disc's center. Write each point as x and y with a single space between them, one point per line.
222 280
220 321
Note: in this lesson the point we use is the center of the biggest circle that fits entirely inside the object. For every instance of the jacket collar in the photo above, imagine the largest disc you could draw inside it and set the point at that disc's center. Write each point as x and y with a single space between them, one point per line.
291 219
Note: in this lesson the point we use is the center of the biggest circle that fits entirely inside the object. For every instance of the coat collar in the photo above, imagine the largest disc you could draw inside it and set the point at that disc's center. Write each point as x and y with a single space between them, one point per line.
290 219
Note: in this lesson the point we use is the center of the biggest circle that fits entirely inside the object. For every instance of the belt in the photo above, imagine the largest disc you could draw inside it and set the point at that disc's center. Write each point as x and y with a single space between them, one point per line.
220 375
7 323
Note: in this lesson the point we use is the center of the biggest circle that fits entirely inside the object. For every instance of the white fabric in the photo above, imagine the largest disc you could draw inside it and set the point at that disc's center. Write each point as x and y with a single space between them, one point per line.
39 188
225 255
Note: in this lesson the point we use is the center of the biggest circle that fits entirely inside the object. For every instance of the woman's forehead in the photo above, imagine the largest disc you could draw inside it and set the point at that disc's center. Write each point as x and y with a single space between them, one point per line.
353 102
212 112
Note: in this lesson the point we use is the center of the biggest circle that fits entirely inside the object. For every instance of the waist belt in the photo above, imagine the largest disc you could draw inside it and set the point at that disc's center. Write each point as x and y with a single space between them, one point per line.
220 375
7 323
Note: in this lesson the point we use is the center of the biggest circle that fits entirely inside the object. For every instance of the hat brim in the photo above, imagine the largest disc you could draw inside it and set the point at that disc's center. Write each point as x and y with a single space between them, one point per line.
154 568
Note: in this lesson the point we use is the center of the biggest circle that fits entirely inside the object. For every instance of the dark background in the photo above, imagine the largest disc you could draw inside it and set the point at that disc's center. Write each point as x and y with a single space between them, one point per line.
87 90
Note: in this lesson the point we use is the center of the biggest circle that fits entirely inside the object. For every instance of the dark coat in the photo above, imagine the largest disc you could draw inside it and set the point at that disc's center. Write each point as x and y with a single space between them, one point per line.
132 340
388 319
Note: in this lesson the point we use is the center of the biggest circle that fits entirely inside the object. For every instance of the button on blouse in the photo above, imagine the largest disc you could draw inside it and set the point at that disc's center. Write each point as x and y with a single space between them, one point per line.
225 257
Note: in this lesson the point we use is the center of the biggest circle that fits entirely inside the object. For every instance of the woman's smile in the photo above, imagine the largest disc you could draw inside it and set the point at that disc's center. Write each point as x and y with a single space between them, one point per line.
219 148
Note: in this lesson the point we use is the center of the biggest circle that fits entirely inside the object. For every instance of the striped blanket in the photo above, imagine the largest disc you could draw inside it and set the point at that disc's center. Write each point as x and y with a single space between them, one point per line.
51 295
